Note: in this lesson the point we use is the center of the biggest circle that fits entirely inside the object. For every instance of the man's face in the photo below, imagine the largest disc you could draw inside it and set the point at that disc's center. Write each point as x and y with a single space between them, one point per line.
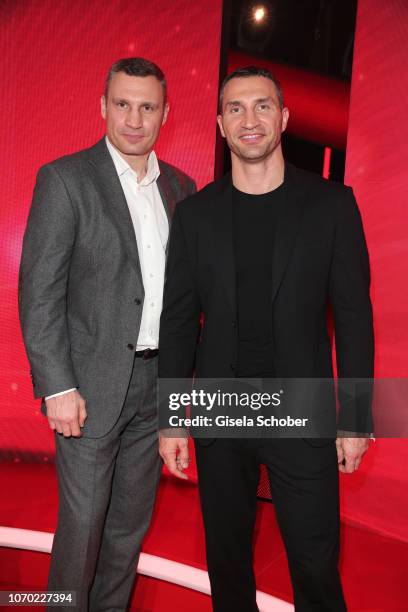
251 119
134 111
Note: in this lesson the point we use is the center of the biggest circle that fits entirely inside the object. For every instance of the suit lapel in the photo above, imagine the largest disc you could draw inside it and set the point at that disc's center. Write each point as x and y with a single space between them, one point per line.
224 237
167 192
288 225
112 193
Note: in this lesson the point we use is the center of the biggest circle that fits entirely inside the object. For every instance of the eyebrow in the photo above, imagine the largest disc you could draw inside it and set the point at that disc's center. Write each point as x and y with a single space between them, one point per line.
267 99
145 102
257 101
119 99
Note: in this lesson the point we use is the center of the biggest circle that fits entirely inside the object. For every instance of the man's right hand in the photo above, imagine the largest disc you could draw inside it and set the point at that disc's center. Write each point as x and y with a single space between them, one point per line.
67 413
174 452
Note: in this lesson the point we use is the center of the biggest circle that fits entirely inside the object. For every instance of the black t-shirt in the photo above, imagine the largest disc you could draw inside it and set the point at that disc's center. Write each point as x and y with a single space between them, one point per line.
254 226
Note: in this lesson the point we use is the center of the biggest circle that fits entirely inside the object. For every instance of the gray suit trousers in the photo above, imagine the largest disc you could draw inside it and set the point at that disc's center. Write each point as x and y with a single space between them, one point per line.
107 488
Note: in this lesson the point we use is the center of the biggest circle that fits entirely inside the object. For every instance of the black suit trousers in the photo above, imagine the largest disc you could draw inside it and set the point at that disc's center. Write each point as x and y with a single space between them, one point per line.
304 484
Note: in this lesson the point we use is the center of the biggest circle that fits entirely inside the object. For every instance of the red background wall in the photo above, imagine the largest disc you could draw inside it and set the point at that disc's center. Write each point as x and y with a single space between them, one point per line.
377 153
55 54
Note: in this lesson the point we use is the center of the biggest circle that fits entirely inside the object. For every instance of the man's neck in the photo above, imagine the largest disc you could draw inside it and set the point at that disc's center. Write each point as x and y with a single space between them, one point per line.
258 177
138 163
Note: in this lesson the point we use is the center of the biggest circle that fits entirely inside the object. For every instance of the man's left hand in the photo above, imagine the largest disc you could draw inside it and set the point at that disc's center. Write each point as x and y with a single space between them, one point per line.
350 451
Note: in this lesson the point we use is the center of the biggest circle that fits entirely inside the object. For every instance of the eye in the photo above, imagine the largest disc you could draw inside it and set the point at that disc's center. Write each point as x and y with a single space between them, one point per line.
263 107
121 104
148 108
234 110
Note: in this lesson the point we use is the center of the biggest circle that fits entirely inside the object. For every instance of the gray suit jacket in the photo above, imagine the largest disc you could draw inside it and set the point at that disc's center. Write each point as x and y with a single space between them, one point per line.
81 291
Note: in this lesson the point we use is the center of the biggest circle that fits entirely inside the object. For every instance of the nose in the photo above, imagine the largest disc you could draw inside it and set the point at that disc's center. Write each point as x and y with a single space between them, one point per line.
249 119
134 118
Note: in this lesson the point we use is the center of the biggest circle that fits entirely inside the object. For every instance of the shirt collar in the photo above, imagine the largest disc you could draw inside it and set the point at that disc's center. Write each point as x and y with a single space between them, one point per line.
121 165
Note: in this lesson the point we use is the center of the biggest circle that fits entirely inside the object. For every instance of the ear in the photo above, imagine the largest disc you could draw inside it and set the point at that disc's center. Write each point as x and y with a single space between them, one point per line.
219 121
285 118
103 107
165 113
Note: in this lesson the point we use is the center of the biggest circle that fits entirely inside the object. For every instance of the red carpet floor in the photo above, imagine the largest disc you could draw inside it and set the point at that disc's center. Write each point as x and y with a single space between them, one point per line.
374 568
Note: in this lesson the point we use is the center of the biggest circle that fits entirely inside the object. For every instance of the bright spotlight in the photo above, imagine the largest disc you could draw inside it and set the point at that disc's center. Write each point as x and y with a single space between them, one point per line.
257 25
259 13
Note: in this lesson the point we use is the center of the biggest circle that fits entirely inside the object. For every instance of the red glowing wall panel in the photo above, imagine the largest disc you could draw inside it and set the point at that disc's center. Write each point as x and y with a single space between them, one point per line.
55 55
377 153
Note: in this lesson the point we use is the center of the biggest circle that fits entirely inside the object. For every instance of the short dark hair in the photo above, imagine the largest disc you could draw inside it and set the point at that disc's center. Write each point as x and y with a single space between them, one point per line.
249 71
136 66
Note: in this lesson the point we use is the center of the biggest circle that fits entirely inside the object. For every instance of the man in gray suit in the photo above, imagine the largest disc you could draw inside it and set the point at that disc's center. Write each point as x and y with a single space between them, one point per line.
91 284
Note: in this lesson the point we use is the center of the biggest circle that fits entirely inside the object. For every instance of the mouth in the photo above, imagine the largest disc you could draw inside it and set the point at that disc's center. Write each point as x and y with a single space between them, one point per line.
251 138
133 138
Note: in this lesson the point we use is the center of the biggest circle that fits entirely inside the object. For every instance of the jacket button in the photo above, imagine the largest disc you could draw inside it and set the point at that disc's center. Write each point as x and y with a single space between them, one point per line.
131 347
232 367
138 301
234 324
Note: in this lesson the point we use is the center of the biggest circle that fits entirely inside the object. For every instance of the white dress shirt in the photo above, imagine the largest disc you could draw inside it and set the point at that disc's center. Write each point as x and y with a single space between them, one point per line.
152 231
151 227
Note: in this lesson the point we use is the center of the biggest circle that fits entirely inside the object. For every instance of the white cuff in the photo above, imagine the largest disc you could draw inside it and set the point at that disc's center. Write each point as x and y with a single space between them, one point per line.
60 393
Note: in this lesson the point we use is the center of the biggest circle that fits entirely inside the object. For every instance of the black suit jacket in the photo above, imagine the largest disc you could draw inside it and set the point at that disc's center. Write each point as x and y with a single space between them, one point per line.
320 259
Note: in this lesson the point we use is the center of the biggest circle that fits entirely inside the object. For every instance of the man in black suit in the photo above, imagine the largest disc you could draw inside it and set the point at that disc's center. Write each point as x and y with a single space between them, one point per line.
91 286
262 253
